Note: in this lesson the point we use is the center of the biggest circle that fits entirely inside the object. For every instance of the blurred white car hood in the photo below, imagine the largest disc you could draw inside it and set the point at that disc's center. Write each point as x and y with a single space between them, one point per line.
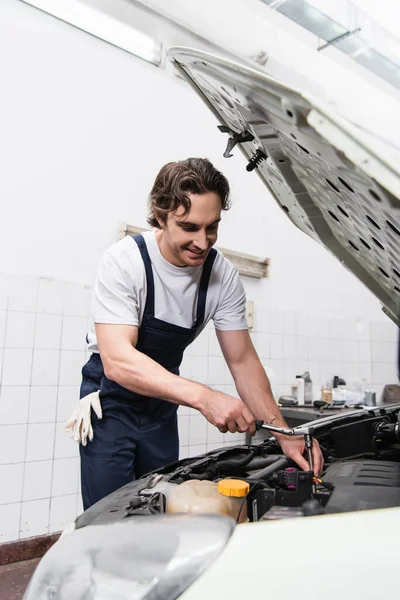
302 559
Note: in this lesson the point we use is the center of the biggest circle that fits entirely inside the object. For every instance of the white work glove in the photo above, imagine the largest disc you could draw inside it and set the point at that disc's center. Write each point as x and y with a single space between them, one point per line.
79 422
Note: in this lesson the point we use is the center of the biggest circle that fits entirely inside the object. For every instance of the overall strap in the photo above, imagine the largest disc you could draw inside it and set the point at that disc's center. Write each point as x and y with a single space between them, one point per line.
205 278
149 307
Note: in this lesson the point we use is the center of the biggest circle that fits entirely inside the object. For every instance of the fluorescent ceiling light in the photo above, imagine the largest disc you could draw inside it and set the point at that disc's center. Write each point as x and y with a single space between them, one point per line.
350 41
103 27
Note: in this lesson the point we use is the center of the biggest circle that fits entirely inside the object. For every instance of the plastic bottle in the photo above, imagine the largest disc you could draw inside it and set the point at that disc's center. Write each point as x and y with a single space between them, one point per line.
227 497
308 389
326 393
300 389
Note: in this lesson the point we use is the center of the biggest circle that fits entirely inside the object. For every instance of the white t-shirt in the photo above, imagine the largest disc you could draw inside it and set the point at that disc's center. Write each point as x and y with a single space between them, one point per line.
120 290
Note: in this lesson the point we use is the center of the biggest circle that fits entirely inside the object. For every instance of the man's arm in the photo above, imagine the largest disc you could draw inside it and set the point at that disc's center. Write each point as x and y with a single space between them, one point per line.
250 378
137 372
253 386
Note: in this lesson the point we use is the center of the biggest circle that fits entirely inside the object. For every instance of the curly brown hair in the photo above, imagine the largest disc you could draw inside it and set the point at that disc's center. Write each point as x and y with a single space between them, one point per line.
176 180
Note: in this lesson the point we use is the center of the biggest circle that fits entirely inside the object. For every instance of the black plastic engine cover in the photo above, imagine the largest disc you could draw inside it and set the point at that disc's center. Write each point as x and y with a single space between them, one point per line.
363 485
355 438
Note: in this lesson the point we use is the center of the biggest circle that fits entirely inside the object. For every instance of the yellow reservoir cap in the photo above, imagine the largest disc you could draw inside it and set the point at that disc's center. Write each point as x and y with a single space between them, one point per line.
233 487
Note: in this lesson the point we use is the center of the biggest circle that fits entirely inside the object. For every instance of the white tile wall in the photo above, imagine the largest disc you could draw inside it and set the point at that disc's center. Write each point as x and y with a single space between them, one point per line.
324 349
22 293
197 430
185 366
301 348
14 404
50 297
289 322
65 476
3 323
64 446
276 370
12 443
10 516
48 332
74 331
20 329
234 438
365 371
37 480
76 300
231 390
214 347
4 291
269 346
71 365
43 324
183 452
216 371
200 346
214 436
35 518
17 366
262 319
275 321
289 346
199 369
183 423
79 504
40 442
45 370
43 404
12 478
63 509
197 449
68 396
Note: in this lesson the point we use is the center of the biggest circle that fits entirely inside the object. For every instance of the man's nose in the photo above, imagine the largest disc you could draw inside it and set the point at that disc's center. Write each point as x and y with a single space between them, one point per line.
201 240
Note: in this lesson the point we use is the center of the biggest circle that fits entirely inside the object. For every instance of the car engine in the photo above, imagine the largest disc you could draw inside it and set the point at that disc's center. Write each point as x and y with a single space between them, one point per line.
361 472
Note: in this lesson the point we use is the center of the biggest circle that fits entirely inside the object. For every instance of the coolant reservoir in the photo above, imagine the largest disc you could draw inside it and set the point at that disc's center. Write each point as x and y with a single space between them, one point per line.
236 491
197 496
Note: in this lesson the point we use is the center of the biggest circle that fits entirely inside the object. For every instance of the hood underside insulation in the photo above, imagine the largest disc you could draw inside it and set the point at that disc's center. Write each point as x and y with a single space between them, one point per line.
337 182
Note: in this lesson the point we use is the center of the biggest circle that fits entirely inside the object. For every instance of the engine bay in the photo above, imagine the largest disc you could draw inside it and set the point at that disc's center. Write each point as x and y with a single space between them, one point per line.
361 472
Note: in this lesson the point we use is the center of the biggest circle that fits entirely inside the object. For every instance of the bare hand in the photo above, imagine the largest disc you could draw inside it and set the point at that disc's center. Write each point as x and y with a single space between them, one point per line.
295 448
227 413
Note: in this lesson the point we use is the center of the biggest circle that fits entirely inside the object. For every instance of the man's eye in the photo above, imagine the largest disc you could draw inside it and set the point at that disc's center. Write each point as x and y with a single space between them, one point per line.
213 227
187 227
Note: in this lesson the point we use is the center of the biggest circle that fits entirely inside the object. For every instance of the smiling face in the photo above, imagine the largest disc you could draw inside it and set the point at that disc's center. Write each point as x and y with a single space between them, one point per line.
185 240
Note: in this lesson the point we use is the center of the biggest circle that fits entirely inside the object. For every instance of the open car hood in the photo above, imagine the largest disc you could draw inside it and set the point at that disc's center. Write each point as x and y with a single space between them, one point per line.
337 182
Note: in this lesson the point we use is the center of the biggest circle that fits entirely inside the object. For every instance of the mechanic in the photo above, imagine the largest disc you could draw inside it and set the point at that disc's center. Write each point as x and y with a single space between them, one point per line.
154 294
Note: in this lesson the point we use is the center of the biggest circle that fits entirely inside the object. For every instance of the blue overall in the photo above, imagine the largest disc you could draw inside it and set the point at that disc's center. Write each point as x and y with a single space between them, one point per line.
137 434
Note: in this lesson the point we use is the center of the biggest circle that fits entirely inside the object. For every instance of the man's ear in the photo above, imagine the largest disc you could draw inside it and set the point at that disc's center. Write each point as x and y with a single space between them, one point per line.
160 219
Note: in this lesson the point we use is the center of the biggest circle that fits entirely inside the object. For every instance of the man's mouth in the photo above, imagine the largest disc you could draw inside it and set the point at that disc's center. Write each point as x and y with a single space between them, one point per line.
195 253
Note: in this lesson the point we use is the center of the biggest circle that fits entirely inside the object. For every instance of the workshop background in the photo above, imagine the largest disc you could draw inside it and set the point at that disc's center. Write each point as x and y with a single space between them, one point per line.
85 129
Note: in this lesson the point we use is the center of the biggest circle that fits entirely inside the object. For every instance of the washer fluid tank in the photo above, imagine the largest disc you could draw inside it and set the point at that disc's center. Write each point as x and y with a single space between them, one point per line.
225 497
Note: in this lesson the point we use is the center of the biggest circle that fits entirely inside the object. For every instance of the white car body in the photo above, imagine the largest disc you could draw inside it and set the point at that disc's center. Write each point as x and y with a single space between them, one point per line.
351 555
